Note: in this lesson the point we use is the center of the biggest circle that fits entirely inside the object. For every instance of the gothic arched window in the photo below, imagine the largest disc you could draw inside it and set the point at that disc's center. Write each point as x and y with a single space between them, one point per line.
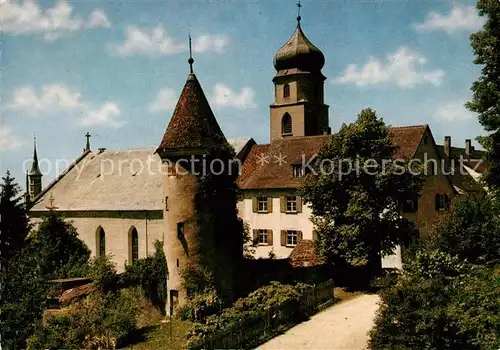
286 91
286 125
101 241
133 245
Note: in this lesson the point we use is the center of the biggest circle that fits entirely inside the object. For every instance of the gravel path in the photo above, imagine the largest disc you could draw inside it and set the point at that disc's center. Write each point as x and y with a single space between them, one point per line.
340 327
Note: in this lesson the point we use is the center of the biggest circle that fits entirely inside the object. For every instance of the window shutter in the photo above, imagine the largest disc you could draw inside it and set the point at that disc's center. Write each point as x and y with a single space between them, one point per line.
436 200
282 204
315 235
283 238
299 236
299 204
254 204
447 201
255 235
269 204
270 237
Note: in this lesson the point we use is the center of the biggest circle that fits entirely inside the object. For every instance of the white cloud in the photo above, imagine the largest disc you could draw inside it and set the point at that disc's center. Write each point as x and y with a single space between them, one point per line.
149 42
53 96
57 98
206 43
7 139
108 115
156 42
28 18
222 96
98 19
403 68
166 99
454 111
460 17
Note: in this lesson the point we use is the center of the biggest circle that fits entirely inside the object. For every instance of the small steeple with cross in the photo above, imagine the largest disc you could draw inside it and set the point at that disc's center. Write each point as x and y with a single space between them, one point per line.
51 205
87 144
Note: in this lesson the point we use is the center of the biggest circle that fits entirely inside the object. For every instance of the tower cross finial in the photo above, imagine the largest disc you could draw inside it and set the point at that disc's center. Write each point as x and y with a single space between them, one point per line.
87 145
190 60
299 5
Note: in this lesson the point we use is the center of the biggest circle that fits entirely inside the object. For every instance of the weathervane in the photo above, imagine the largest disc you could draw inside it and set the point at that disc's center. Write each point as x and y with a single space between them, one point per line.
190 60
298 11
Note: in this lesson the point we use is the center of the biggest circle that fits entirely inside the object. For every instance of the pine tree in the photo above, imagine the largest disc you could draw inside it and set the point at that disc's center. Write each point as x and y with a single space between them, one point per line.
14 224
486 90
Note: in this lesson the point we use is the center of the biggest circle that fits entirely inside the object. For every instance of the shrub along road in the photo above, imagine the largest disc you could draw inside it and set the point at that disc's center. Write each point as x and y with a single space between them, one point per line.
344 326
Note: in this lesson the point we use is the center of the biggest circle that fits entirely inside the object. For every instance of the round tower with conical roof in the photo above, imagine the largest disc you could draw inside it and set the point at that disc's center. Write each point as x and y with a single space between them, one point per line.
299 108
193 240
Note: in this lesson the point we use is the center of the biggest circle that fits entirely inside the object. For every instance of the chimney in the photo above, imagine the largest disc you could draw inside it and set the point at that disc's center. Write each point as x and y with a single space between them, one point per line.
447 146
468 147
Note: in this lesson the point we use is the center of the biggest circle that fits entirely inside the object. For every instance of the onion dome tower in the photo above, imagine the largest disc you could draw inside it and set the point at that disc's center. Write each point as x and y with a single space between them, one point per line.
299 108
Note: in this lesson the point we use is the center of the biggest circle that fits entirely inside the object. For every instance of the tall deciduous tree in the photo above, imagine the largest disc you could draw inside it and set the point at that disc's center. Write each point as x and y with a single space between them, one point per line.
486 90
14 226
356 192
59 250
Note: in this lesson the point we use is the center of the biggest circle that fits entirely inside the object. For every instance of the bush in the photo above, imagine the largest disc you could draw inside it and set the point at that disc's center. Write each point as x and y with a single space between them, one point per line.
471 230
440 302
151 275
103 274
247 313
101 321
59 251
201 306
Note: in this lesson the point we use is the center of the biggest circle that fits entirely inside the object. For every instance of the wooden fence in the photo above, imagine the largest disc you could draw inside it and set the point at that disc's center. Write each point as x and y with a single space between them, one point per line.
266 323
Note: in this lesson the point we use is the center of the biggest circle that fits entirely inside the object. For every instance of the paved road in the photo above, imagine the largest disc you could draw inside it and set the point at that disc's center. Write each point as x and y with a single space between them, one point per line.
341 327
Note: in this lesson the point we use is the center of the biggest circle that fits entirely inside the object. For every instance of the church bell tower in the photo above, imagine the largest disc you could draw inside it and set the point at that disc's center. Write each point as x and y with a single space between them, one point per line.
299 108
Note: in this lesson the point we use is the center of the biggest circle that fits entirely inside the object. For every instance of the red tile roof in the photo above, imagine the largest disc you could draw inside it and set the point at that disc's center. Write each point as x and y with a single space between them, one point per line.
77 293
261 168
407 138
193 124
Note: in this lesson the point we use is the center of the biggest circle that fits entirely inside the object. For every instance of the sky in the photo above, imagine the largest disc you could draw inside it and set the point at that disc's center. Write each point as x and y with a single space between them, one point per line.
116 68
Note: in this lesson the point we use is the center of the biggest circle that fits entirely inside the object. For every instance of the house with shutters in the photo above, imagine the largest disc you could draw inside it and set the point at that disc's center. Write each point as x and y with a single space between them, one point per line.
117 199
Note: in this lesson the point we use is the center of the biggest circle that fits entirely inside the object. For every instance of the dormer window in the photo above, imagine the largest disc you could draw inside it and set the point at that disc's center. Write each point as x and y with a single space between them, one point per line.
286 91
298 170
286 125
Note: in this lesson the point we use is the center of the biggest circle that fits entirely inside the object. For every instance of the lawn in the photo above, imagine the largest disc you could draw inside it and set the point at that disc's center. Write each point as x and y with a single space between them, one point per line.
158 336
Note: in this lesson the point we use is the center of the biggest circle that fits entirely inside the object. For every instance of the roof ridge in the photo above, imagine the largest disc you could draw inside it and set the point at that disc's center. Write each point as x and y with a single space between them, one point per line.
409 126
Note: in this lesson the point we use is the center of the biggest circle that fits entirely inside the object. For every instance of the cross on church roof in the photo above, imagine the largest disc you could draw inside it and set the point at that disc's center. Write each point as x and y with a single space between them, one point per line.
87 145
51 205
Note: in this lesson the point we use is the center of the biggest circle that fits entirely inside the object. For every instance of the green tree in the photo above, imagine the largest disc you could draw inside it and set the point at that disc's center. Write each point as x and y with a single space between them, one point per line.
486 90
440 302
14 226
471 231
151 274
60 253
356 205
23 293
